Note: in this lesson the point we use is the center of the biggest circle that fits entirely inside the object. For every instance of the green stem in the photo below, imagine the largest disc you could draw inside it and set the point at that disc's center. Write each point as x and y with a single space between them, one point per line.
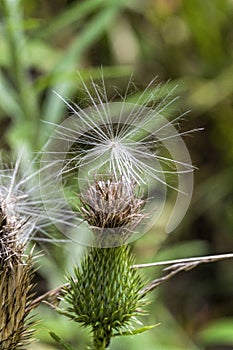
101 338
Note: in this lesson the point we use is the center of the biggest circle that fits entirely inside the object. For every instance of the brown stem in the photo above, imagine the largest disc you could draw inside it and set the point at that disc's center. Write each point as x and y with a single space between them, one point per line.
200 259
178 266
51 297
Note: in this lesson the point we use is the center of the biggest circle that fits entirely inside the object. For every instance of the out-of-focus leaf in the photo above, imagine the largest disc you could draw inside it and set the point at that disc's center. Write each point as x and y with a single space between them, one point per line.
54 107
73 14
19 72
206 94
168 336
183 250
218 332
8 100
4 57
86 74
200 16
42 56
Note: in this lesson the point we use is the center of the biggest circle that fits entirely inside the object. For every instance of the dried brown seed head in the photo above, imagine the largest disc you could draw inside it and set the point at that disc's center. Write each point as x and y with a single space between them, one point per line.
111 206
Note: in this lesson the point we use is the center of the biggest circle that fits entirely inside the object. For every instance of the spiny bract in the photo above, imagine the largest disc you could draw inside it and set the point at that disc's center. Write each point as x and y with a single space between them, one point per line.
104 292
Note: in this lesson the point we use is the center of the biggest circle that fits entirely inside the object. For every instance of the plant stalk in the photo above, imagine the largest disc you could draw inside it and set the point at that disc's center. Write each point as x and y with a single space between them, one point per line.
101 339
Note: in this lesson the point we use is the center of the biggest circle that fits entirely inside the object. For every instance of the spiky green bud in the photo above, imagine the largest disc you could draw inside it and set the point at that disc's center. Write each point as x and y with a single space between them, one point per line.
104 293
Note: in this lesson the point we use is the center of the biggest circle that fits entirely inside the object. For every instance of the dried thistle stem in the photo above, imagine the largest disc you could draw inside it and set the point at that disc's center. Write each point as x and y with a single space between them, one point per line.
179 262
15 285
16 302
177 266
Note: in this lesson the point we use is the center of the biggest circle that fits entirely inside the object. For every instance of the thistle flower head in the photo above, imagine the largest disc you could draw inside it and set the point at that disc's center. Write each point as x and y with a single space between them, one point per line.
132 142
112 209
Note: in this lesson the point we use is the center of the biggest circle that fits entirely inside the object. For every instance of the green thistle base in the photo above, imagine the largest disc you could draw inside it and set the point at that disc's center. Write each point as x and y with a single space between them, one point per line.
104 293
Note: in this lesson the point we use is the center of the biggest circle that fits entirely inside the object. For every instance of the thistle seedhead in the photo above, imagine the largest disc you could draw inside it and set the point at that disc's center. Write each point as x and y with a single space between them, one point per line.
112 209
134 142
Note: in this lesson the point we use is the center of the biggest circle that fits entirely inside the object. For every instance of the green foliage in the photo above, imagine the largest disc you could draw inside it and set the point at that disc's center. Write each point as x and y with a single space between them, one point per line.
218 332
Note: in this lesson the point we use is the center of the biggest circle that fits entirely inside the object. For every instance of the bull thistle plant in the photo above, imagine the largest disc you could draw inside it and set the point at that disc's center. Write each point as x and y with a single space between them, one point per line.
103 182
109 152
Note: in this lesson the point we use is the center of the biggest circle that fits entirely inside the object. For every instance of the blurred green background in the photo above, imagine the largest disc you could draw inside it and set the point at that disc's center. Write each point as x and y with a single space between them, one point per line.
43 44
